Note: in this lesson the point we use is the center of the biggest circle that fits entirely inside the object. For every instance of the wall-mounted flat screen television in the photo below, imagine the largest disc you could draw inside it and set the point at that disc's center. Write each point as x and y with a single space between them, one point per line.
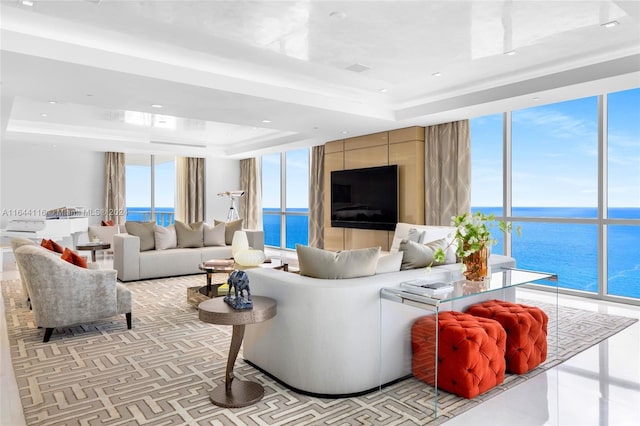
365 198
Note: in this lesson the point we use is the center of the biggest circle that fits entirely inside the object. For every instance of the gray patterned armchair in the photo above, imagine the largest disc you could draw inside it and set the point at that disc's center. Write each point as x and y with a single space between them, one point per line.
64 294
15 244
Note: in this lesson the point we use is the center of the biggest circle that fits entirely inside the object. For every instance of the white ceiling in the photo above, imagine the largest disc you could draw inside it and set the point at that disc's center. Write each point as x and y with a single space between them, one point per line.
219 68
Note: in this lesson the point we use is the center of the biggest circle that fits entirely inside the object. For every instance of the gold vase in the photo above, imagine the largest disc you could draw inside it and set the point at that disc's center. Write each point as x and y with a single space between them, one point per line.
476 264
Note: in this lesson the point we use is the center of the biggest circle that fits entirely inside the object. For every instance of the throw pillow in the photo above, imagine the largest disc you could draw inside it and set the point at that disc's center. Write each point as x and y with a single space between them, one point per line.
191 235
415 255
318 263
145 231
73 258
214 235
415 235
52 246
389 263
229 229
165 238
107 223
57 247
46 244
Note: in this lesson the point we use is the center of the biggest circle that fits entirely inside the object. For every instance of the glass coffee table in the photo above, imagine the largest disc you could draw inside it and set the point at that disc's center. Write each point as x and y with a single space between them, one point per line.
407 302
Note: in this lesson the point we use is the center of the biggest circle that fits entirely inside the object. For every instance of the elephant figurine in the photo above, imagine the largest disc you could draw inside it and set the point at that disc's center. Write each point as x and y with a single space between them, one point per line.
239 283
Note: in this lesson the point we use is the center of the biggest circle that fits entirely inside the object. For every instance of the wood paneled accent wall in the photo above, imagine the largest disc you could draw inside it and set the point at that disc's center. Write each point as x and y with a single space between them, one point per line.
404 147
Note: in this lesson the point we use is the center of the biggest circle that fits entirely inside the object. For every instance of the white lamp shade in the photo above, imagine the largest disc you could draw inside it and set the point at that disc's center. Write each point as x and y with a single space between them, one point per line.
249 257
239 242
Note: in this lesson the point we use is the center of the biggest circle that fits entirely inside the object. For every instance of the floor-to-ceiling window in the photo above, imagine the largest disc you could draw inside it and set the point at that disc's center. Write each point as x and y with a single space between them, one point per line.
150 188
285 198
623 193
572 184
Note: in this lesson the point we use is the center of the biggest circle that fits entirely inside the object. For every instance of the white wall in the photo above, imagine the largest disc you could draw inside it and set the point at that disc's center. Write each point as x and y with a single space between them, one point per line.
36 178
221 174
40 177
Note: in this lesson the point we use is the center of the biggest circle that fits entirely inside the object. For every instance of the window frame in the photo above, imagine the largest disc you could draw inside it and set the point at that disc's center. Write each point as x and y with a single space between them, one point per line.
602 221
282 211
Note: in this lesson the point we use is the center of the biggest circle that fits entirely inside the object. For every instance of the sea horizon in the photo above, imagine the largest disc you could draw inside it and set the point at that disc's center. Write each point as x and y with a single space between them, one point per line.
566 249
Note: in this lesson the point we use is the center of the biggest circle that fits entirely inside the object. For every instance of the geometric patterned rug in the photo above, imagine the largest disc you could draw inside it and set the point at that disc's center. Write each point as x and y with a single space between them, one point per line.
161 371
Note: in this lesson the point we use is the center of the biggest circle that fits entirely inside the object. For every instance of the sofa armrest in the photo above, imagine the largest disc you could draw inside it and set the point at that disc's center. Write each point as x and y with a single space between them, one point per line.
256 238
126 256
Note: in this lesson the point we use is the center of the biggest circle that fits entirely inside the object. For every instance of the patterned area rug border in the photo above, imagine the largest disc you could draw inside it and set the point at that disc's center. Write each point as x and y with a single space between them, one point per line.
161 371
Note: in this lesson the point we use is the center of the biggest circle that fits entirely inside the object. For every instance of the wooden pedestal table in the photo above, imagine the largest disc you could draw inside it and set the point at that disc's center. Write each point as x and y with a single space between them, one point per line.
236 393
93 247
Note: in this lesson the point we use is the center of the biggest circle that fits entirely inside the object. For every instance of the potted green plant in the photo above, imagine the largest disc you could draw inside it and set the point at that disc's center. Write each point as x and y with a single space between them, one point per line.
473 240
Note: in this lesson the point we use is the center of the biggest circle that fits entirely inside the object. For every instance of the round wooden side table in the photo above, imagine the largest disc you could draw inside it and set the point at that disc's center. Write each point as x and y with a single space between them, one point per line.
93 247
236 393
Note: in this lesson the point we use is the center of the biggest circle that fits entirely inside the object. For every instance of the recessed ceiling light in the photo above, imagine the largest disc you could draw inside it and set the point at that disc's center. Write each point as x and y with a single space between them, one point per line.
337 14
89 95
437 74
535 98
53 102
357 68
344 132
510 53
26 3
43 115
383 90
156 106
266 121
610 24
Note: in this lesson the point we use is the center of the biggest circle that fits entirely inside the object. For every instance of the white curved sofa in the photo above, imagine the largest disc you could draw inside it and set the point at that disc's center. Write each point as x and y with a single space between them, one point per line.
325 339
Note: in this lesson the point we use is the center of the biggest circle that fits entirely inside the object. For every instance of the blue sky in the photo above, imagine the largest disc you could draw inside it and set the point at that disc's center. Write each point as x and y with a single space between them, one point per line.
297 171
138 183
555 154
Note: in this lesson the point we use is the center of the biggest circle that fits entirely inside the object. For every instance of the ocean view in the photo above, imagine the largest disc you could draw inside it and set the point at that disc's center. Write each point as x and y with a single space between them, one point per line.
569 250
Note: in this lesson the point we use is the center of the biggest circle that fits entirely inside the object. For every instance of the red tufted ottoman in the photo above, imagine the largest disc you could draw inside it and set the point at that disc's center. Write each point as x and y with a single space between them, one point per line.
470 352
526 328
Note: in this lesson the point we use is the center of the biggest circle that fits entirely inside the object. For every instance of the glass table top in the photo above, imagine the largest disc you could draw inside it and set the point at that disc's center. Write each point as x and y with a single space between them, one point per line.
450 286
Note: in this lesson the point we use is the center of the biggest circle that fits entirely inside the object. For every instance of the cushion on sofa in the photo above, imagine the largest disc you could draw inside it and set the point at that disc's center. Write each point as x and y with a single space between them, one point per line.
145 231
230 228
389 263
165 238
74 258
191 235
214 235
431 233
46 243
318 263
415 235
57 247
52 246
415 255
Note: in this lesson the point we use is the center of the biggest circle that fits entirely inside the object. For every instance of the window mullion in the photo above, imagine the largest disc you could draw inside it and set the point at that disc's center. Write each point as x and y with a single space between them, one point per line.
283 199
507 175
603 203
153 187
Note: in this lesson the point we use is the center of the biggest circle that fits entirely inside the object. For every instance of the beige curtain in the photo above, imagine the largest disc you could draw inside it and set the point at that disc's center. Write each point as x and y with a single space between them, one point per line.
190 189
447 172
316 197
114 187
181 193
251 184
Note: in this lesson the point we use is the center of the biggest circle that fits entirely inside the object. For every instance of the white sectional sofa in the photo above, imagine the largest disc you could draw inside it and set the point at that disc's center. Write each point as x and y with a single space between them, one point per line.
335 337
